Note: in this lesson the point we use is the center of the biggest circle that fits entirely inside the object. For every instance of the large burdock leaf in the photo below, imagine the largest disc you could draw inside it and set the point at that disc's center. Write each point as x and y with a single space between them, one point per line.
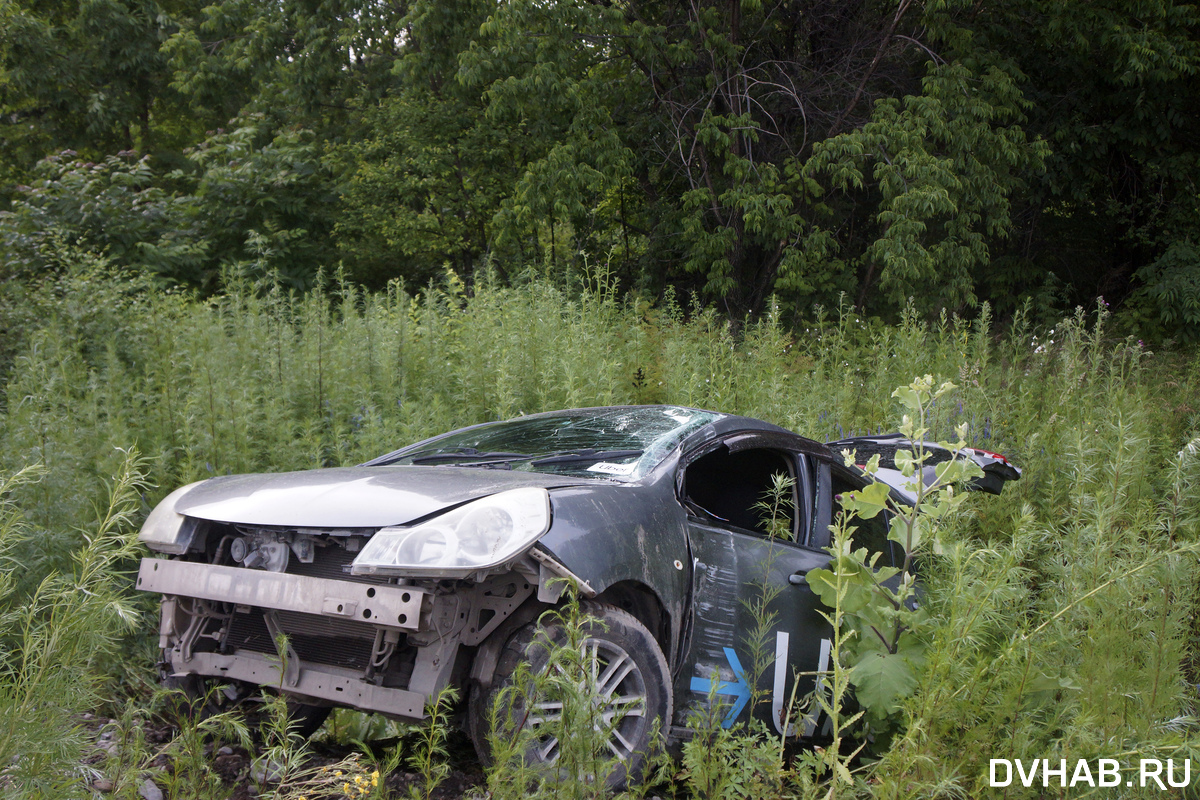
881 680
857 582
867 502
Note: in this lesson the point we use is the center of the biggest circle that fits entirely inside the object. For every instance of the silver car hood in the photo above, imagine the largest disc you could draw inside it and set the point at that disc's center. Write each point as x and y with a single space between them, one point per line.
350 497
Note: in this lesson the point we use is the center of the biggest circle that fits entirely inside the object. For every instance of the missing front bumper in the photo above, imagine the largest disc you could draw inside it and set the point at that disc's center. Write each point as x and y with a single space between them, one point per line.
390 606
324 683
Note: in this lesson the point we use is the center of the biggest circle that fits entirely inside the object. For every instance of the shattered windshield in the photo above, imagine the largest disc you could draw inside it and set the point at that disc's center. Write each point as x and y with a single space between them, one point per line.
610 442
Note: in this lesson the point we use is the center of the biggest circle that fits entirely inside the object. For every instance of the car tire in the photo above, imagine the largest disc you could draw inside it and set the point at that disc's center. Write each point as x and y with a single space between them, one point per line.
207 697
632 670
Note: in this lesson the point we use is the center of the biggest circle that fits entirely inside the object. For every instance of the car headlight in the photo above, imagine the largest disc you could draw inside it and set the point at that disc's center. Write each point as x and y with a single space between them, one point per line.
481 534
165 531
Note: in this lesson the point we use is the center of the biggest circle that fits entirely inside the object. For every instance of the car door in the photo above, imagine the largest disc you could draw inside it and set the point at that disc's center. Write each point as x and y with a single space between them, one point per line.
737 565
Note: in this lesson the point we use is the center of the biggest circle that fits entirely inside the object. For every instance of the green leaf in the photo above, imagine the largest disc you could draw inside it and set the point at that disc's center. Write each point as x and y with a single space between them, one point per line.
908 397
857 586
899 533
937 508
882 680
943 389
1043 688
868 502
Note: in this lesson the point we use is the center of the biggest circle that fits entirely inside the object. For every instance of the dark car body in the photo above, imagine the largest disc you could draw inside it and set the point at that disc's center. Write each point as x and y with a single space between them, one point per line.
651 510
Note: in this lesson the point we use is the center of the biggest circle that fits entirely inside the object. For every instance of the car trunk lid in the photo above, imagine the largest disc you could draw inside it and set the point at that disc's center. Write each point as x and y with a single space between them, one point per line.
997 469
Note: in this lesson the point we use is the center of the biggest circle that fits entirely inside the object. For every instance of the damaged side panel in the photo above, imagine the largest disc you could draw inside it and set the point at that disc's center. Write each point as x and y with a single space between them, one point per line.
731 569
616 537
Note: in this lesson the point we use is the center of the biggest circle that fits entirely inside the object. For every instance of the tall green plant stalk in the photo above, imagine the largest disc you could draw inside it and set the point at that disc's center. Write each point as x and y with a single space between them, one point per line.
429 758
57 636
832 700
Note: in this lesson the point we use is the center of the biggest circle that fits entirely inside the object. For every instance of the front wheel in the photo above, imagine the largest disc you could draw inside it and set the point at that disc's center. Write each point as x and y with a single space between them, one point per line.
614 680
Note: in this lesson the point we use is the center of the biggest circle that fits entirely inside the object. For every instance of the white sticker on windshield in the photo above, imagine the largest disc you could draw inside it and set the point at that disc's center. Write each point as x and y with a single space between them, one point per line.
613 469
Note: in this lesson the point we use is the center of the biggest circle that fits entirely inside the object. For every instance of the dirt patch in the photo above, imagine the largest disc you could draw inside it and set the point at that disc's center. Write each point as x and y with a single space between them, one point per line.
125 754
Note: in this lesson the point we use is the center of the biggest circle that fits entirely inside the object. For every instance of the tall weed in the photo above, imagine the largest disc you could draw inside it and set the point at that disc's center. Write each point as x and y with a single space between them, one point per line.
56 634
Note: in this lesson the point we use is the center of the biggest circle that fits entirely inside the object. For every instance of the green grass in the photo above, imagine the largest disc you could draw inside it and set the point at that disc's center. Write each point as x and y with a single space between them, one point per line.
1064 608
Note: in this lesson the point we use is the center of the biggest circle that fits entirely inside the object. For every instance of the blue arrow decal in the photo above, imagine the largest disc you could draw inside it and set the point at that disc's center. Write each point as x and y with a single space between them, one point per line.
739 689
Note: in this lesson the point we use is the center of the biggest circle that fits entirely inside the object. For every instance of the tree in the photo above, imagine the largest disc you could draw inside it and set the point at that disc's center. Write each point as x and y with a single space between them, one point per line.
245 200
720 111
421 188
87 77
1110 86
427 171
736 149
299 62
263 202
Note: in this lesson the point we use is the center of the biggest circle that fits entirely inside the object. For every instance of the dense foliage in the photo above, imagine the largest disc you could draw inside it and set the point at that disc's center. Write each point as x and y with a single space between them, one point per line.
944 151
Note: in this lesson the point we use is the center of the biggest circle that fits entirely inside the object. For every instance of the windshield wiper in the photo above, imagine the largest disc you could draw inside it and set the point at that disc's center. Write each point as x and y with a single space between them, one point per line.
468 458
585 457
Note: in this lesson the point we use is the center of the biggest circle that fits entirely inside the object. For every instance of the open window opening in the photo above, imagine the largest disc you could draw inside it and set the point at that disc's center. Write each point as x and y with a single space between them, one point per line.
727 486
872 533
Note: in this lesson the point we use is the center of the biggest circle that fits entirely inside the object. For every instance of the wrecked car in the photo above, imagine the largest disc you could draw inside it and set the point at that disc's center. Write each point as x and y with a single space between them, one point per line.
373 587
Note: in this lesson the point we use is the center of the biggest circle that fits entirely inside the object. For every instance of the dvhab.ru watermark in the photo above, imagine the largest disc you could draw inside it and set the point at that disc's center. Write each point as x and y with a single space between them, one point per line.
1155 772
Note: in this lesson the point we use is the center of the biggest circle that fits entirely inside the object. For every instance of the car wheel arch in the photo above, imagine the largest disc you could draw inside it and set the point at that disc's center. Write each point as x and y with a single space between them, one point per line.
634 597
487 655
645 605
